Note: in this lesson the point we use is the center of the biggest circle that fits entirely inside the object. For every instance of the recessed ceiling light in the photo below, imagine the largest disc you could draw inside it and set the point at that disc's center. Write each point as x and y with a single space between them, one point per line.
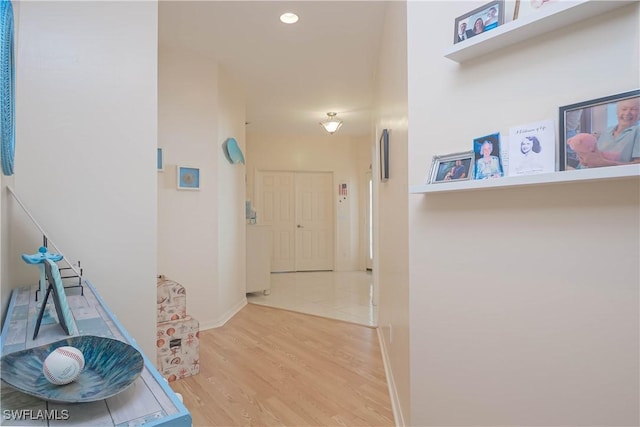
289 18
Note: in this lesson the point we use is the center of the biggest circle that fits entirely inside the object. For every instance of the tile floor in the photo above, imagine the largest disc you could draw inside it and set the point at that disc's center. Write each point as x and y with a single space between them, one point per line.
342 295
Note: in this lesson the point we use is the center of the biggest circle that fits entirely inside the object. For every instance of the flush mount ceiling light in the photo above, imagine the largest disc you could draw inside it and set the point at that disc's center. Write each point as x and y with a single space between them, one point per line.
332 123
289 18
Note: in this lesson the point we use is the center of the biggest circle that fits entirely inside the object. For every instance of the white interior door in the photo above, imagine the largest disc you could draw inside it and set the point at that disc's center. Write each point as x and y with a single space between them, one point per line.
314 221
275 193
299 209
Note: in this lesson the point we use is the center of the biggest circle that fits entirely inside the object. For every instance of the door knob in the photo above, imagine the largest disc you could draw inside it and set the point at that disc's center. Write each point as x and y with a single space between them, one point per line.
300 226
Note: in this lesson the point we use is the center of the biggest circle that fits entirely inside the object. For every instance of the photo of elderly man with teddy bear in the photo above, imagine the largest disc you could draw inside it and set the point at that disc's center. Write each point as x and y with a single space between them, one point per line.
603 135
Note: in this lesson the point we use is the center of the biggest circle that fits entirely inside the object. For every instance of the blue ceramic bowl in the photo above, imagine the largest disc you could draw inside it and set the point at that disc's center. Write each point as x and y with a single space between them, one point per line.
110 367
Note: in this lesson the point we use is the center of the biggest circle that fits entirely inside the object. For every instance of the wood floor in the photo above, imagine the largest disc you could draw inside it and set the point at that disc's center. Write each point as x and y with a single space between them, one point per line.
272 367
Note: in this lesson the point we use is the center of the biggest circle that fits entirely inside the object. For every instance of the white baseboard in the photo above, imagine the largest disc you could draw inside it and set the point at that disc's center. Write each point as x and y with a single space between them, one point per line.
225 317
393 393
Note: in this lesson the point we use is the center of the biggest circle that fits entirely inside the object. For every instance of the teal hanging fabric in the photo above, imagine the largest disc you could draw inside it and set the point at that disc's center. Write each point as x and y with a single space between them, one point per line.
7 88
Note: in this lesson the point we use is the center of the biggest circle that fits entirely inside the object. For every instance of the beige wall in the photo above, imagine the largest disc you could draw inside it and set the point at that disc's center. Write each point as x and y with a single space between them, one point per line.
524 301
391 257
201 233
5 288
347 157
86 102
231 197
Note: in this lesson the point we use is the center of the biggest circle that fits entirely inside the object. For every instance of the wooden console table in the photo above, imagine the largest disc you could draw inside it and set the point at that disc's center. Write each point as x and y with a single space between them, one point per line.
149 401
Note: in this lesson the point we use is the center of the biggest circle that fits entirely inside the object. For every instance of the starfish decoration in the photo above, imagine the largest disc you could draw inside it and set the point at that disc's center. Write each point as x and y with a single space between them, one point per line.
39 259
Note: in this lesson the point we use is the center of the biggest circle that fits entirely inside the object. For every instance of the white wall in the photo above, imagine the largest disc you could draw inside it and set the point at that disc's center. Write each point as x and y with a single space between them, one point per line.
5 288
201 233
524 302
86 106
347 157
232 275
391 248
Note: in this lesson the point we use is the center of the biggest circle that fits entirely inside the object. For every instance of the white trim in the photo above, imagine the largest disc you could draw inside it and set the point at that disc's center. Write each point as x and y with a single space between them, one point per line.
393 392
225 317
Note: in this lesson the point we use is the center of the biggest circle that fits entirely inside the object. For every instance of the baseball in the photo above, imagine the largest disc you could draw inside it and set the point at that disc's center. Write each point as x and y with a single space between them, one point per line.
63 365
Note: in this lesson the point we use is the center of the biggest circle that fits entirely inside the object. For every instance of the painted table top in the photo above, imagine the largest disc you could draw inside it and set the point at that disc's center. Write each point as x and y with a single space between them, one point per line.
148 401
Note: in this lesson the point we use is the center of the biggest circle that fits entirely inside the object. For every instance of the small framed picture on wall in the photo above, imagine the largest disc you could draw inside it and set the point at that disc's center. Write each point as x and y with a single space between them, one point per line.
384 155
160 160
188 178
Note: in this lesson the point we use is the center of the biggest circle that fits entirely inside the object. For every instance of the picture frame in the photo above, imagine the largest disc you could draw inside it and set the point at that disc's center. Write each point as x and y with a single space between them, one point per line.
56 290
384 155
532 149
588 131
530 7
511 10
490 16
160 160
188 178
488 165
451 167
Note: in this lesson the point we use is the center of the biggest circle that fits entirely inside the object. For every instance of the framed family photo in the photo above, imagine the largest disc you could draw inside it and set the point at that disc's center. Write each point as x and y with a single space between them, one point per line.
451 167
478 21
600 132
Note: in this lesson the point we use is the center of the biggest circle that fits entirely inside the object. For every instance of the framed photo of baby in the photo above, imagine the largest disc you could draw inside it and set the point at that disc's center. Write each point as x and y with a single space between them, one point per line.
451 167
600 132
479 21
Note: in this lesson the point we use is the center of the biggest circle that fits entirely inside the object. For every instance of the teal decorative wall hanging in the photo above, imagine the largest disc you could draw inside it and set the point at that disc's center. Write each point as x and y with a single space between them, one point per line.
7 88
233 151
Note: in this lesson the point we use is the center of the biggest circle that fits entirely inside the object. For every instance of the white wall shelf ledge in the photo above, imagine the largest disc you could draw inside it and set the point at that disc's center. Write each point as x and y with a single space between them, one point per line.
583 175
551 17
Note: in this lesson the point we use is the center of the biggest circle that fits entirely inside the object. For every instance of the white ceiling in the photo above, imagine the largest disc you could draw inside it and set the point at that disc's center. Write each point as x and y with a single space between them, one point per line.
293 74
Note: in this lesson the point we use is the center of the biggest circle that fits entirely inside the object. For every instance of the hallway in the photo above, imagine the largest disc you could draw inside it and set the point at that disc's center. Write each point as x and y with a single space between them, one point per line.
269 367
341 295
